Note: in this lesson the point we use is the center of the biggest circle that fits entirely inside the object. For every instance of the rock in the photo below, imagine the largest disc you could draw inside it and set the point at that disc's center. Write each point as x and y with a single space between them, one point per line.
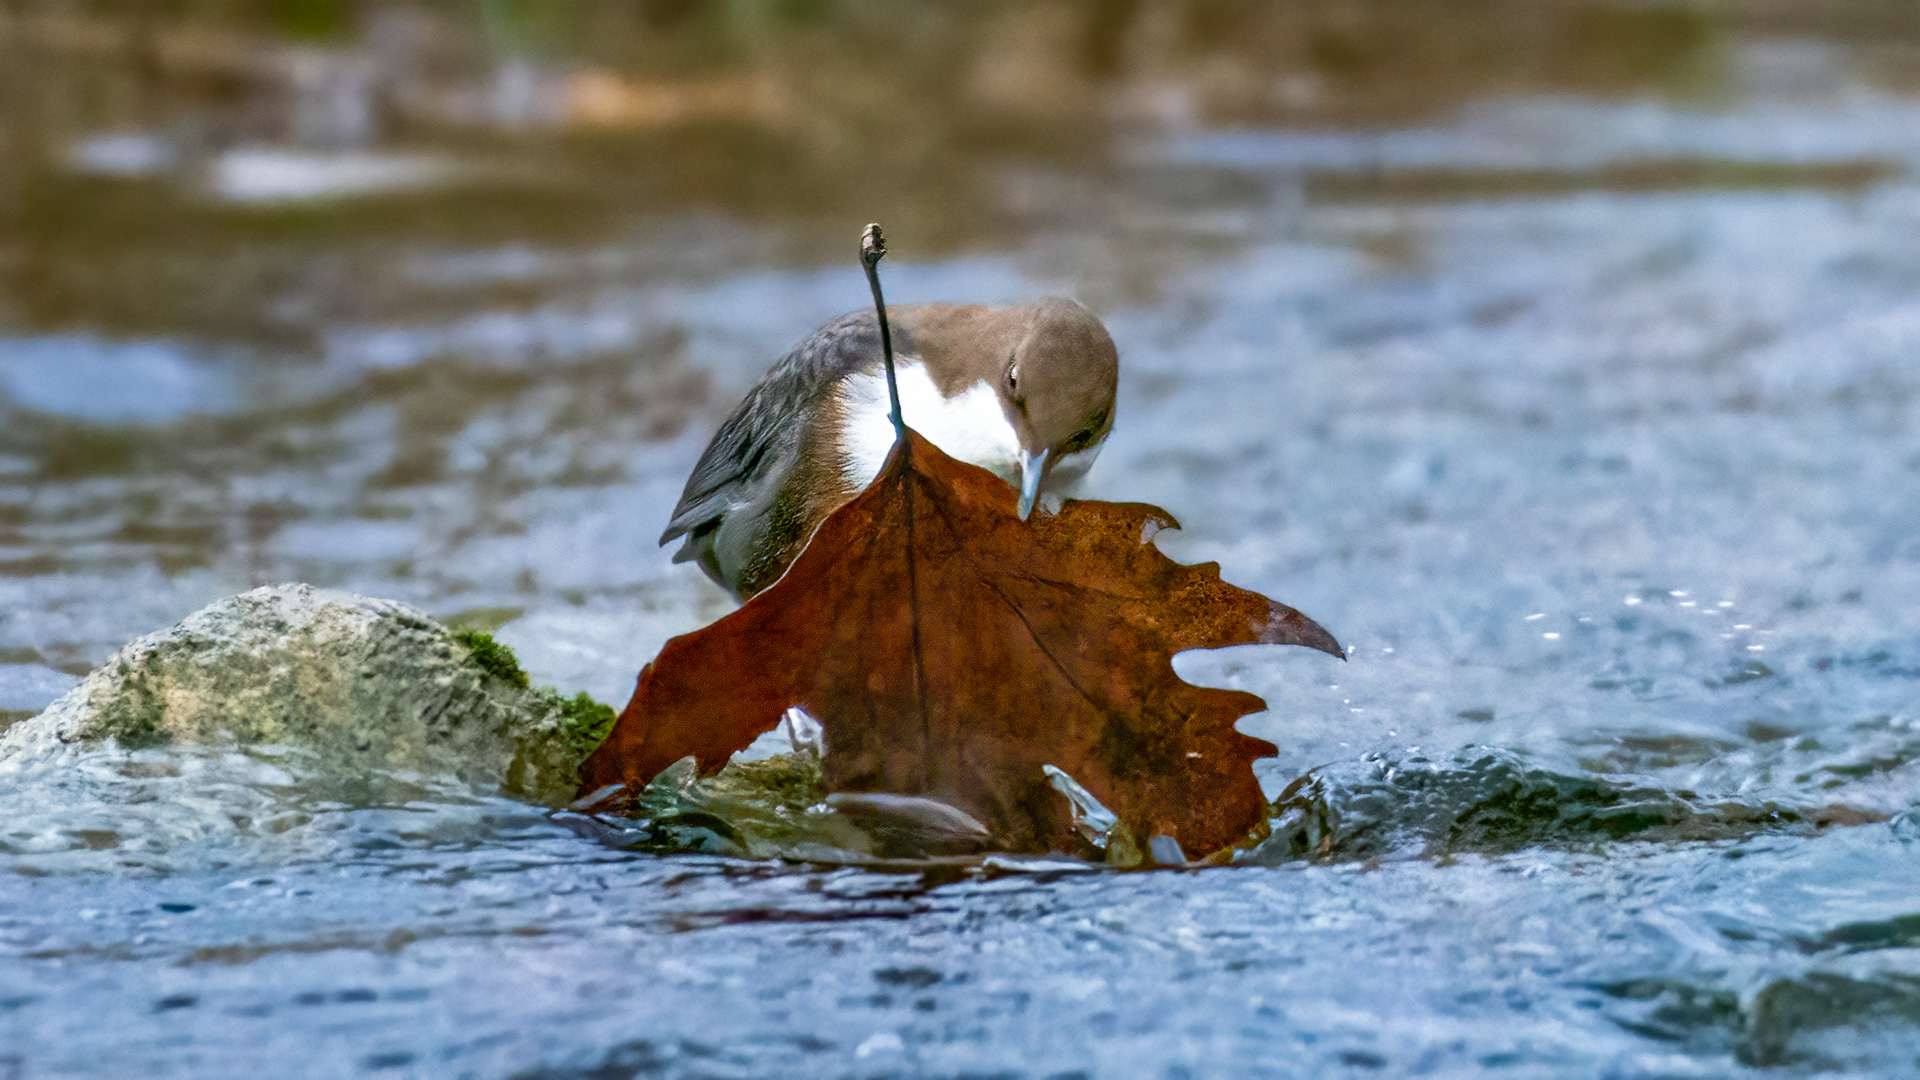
358 684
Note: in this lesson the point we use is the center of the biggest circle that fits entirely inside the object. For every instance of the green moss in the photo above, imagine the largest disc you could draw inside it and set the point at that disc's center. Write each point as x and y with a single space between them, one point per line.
552 734
135 716
585 722
493 658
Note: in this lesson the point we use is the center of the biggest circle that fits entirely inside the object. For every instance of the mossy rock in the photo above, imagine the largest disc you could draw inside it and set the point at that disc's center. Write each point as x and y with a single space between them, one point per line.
359 683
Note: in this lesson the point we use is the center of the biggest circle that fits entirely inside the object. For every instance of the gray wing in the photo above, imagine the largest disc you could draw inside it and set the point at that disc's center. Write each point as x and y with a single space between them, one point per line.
756 446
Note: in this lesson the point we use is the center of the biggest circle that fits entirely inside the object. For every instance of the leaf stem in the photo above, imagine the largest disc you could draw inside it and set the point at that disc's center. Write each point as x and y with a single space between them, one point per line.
873 247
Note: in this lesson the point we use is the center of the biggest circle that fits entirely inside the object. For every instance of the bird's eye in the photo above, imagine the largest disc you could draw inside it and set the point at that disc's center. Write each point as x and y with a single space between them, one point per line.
1081 440
1013 380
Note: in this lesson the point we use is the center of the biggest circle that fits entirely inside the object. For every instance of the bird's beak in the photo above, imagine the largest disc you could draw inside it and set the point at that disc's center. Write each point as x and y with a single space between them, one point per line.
1033 469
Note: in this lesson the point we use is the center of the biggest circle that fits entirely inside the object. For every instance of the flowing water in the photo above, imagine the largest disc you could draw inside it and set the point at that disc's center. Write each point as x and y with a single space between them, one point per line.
1563 360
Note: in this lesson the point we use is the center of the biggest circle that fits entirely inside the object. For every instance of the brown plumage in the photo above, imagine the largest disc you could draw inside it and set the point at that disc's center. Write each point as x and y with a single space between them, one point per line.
1025 391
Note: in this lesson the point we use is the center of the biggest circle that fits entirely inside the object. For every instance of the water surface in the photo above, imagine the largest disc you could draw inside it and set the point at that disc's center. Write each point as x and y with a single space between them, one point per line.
1562 362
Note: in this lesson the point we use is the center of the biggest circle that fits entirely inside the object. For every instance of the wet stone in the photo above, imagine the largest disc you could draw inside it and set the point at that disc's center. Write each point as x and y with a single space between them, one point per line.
356 684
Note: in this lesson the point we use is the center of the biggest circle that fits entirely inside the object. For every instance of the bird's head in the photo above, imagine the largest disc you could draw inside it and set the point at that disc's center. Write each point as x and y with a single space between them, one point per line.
1057 388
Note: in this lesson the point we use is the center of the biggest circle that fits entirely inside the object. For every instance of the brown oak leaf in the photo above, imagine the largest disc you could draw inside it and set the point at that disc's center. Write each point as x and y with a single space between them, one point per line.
950 650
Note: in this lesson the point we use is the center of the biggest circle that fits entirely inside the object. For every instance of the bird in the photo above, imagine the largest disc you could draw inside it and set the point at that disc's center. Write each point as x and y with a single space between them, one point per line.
1025 391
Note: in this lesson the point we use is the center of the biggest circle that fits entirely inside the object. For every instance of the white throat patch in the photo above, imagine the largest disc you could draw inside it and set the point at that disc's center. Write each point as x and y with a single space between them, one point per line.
970 426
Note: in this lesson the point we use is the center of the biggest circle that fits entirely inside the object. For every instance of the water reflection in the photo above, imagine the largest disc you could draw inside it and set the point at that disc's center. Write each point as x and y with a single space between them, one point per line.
434 299
1514 341
510 119
102 381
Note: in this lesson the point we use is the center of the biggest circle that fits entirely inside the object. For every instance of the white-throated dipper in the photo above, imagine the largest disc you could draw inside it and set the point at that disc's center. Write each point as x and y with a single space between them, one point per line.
1025 392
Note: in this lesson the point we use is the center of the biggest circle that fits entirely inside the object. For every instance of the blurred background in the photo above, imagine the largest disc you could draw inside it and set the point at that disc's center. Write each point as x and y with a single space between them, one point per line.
1562 357
440 300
